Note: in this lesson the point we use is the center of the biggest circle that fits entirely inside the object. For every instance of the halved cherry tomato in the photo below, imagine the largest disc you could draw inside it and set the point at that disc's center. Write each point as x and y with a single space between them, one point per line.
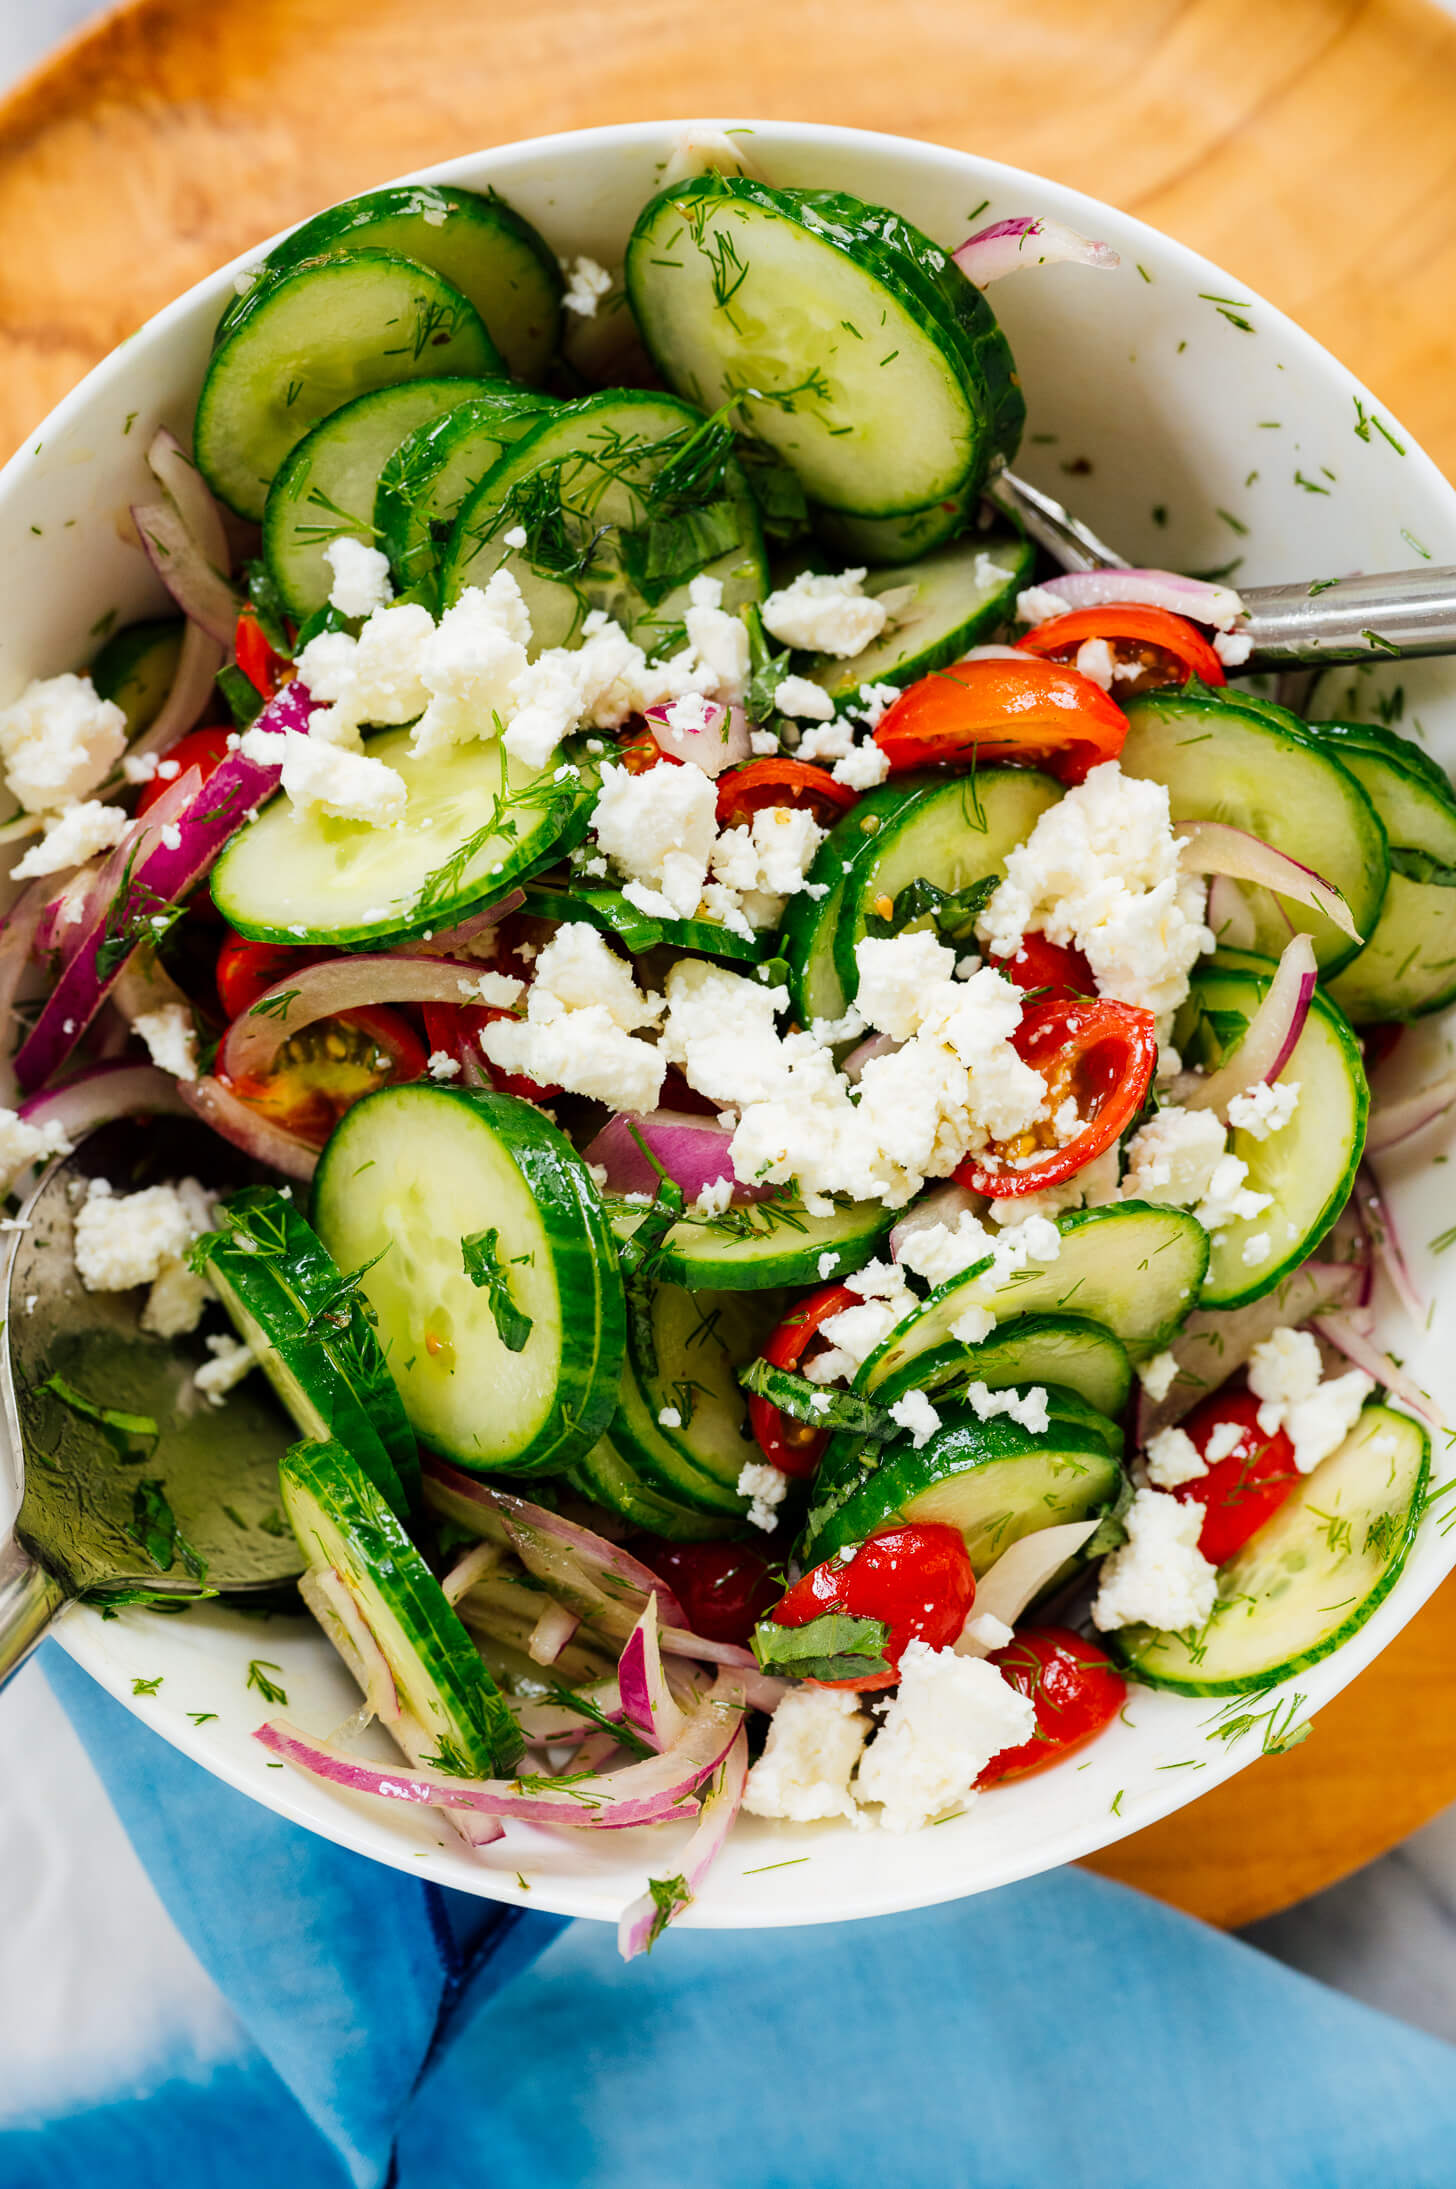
204 749
1099 1055
245 969
456 1028
792 1446
1246 1487
1035 713
917 1579
638 750
1062 971
327 1067
1074 1688
1165 648
264 669
742 792
725 1588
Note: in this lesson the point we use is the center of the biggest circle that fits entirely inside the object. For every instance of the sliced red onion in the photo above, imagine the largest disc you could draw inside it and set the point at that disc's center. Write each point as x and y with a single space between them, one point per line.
1196 598
1392 1122
647 1701
449 942
324 990
643 1922
1346 1336
692 1150
551 1633
197 665
17 939
992 653
1214 847
473 1567
107 1091
759 1690
1385 1243
201 592
721 743
1229 914
144 985
256 1135
377 1680
1009 245
859 1057
1018 1575
1214 1343
942 1205
187 490
652 1792
1269 1040
63 916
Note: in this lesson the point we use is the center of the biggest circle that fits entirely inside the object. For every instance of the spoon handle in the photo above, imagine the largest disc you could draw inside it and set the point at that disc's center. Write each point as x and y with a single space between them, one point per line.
30 1600
1393 615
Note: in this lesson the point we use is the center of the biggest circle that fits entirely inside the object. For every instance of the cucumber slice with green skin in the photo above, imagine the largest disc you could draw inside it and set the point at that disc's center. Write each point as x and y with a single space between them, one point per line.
1065 1350
963 593
611 1481
1133 1268
608 525
851 343
1260 769
135 668
806 937
308 340
769 1242
686 1349
994 1480
1309 1578
882 541
343 1525
1309 1165
325 488
1408 965
412 1173
289 877
493 256
664 1462
609 910
311 1335
951 832
428 477
822 1408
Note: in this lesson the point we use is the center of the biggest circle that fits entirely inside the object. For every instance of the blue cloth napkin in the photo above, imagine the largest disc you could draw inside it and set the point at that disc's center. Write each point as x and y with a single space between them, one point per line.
1063 2034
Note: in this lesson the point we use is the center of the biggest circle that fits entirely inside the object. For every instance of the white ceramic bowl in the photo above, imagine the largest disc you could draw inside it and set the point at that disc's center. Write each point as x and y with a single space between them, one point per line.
1188 436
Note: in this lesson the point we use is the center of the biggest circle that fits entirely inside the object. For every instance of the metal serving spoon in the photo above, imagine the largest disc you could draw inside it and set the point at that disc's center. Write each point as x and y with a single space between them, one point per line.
128 1479
1396 614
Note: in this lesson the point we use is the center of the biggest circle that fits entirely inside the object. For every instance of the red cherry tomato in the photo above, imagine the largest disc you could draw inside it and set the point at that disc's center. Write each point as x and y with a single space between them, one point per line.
792 1446
1054 966
327 1067
917 1579
742 792
1245 1488
1165 648
264 669
1033 712
456 1029
725 1588
245 969
638 750
1074 1688
204 749
1099 1054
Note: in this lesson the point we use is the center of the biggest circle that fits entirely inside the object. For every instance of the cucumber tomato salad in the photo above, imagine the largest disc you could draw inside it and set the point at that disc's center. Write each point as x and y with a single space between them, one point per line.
808 1073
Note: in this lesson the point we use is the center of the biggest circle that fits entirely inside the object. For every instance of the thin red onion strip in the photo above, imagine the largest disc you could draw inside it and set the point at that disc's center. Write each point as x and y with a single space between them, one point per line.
1269 1040
1392 1122
17 936
256 1135
551 1633
1215 847
197 665
473 1567
321 991
1230 915
1008 246
445 942
1386 1246
185 487
372 1668
647 1701
201 592
109 1090
721 743
1197 598
643 1923
1362 1352
1020 1573
692 1150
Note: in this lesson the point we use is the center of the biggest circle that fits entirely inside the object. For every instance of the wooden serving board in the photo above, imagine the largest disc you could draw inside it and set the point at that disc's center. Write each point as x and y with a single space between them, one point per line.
1297 144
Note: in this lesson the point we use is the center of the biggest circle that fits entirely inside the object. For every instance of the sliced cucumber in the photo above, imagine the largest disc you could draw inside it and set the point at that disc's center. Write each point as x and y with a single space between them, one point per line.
1259 768
1310 1577
687 1349
475 240
609 910
852 345
962 593
994 1480
769 1242
307 877
135 669
1133 1268
1308 1167
663 1461
1064 1350
325 488
306 341
345 1527
1408 965
882 541
612 1482
952 832
426 479
624 498
807 934
311 1334
421 1175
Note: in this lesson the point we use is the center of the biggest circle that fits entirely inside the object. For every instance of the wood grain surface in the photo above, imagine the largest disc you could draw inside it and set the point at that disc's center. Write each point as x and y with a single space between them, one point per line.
1307 145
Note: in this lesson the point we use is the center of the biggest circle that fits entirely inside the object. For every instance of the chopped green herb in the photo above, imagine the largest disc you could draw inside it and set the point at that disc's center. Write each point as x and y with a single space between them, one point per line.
258 1671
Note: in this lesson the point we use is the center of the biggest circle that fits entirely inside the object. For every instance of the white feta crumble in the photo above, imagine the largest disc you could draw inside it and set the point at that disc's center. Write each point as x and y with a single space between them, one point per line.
863 767
331 778
1284 1375
1265 1108
1159 1577
142 1238
1027 1407
232 1358
1224 1439
950 1715
659 829
1172 1458
1228 1200
770 854
832 740
825 614
57 741
985 1632
441 1065
586 284
714 1199
171 1037
1158 1375
1096 662
1233 648
814 1742
826 1265
470 665
939 1252
669 1418
915 1413
361 577
763 744
873 702
719 641
576 970
1257 1249
1172 1158
500 990
766 1487
374 678
22 1144
80 832
973 1326
806 701
576 1034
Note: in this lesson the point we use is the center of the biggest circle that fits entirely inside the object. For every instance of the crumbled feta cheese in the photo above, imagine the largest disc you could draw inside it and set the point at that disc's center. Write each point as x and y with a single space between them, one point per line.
501 990
141 767
177 1301
1257 1249
1173 1457
345 784
361 577
855 1332
766 1487
863 767
1233 648
232 1358
873 702
1224 1439
577 1033
718 641
1038 604
763 744
442 1065
659 829
669 1417
714 1199
58 740
826 1265
814 1742
130 1239
1027 1407
772 853
808 702
171 1037
896 974
950 1715
1228 1200
22 1144
1264 1108
973 1326
80 832
1095 662
832 740
1283 1368
374 678
939 1252
985 1633
1158 1375
825 614
915 1413
586 284
1159 1577
471 663
1284 1375
1172 1158
578 969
